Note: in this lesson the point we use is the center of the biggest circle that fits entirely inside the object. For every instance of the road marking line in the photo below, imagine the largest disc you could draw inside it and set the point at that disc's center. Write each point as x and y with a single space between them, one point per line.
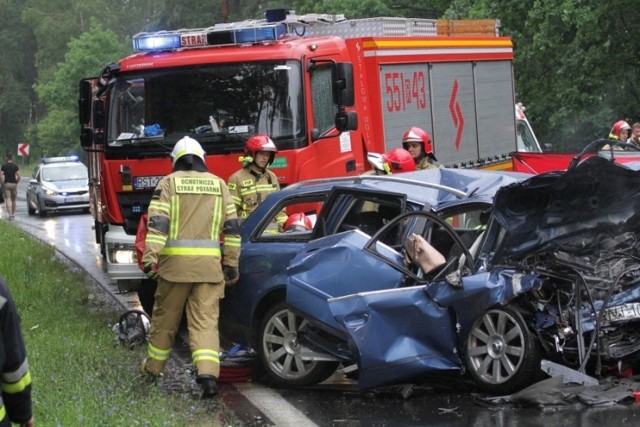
276 408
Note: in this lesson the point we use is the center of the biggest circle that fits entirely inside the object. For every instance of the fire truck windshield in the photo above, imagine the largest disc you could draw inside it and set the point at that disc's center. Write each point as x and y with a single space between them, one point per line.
221 105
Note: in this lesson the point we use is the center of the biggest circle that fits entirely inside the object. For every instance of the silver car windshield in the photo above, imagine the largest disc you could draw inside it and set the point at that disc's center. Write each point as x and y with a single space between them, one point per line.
64 173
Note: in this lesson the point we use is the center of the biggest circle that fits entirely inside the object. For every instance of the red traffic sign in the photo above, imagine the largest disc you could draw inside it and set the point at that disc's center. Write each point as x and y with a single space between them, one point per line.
23 149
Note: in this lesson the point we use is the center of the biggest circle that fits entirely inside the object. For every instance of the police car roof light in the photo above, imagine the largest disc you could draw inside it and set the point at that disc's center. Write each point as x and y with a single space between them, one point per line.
47 160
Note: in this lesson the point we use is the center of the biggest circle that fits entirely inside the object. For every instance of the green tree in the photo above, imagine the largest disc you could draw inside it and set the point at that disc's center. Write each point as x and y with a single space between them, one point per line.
58 129
17 74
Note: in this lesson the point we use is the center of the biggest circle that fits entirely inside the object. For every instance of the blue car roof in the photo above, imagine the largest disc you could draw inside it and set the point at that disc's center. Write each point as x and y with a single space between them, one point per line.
431 186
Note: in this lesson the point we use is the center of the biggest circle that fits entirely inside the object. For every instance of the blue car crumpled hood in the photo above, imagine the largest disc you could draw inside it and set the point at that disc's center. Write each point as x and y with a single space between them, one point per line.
552 209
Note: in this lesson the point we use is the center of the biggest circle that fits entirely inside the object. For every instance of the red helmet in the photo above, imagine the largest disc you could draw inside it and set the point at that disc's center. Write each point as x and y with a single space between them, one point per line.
257 143
618 126
398 160
416 134
298 222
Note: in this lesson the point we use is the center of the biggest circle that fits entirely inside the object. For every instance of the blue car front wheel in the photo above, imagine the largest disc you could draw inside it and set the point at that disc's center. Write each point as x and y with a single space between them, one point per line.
502 354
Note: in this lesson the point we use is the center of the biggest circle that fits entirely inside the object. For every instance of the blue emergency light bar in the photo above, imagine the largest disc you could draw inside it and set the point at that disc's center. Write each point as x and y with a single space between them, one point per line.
148 42
219 35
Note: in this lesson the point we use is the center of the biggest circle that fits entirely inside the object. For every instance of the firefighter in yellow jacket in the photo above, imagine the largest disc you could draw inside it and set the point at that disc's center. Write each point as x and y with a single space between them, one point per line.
250 185
190 209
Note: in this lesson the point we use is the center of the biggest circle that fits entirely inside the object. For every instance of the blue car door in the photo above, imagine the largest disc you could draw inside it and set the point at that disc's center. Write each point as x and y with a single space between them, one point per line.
400 334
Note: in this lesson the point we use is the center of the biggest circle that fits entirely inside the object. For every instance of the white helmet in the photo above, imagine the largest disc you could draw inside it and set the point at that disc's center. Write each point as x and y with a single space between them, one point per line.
187 145
375 159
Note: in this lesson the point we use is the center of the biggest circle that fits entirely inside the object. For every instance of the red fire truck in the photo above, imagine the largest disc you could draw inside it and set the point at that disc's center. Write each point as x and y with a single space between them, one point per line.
327 90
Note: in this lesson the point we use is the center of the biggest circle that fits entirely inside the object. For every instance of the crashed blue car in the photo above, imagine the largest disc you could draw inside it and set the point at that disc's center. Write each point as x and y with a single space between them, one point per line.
255 310
553 273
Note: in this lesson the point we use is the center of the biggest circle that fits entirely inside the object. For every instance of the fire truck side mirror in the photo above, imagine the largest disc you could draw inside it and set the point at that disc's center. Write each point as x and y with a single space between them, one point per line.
343 94
86 138
346 120
98 114
84 102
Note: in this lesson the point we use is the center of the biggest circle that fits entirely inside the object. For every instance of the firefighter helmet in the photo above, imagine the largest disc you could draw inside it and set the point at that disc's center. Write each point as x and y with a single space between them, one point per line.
415 134
298 222
185 146
618 126
259 142
398 160
375 159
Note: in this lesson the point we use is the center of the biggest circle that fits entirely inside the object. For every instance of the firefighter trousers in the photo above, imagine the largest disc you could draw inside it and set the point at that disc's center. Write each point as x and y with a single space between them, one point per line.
202 304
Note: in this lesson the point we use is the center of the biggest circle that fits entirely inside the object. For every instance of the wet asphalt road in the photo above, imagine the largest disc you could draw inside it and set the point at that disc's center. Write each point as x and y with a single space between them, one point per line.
336 402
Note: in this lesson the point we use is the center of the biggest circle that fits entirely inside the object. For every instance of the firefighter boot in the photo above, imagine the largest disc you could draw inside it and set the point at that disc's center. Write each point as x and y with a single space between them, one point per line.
148 373
208 385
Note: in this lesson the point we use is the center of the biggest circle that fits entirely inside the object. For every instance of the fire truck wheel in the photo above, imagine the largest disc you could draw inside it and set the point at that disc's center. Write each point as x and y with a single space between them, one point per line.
285 360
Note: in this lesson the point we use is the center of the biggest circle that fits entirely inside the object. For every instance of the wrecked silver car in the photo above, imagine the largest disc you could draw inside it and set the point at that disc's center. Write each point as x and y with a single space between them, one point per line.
553 274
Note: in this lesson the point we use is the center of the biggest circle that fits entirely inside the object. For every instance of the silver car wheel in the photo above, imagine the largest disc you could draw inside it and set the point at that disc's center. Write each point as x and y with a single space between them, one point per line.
496 347
280 346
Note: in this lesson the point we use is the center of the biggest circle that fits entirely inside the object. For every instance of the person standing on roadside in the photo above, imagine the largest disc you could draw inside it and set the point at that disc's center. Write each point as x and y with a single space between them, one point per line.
15 379
189 211
9 178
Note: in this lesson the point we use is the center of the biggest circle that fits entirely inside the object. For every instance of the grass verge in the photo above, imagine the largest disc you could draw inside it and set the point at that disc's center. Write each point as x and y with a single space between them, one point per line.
81 376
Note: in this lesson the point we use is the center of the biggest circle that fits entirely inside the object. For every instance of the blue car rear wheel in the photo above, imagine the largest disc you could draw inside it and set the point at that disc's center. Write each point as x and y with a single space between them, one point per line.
286 361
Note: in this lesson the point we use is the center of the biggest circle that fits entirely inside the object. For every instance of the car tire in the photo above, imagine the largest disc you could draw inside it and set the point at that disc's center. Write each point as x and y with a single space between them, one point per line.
280 352
30 209
502 355
41 211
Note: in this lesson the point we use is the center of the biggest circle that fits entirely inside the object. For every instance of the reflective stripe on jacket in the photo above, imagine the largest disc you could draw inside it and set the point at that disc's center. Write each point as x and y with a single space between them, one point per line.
186 217
249 188
15 379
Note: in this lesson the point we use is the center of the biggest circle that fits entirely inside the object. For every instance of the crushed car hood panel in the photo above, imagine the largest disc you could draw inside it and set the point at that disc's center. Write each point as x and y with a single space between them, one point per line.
597 196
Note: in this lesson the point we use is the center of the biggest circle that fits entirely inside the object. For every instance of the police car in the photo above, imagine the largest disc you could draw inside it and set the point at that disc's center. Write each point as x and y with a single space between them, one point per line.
58 184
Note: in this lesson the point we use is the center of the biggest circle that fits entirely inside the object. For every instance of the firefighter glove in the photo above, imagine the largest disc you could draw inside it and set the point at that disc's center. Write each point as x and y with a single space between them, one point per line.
231 275
151 270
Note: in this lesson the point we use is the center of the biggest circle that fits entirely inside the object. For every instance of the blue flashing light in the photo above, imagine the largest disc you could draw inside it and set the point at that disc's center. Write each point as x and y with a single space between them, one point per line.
246 35
218 35
254 35
148 42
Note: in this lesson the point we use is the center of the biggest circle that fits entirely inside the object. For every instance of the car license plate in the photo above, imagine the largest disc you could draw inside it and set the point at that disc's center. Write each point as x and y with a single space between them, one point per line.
622 313
145 182
73 200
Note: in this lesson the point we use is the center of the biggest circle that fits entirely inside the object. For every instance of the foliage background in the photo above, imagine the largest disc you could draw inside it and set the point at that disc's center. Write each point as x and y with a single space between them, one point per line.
576 66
